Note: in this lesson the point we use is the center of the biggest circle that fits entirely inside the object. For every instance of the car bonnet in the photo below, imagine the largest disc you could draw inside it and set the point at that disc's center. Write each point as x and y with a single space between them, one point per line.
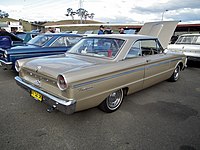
163 30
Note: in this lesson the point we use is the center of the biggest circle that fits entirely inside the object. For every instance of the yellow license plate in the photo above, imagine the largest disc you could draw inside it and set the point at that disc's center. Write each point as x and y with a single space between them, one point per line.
36 95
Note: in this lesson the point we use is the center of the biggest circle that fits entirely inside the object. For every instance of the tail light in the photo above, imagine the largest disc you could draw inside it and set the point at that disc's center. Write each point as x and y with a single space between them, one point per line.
61 82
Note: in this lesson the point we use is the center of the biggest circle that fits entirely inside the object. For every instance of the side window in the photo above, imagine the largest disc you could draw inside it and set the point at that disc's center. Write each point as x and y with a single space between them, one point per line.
187 40
135 50
196 40
59 42
150 47
70 41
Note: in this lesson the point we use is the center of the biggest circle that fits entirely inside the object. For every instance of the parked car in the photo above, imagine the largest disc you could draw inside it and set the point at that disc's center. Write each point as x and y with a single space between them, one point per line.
8 40
5 42
41 45
188 44
98 71
26 36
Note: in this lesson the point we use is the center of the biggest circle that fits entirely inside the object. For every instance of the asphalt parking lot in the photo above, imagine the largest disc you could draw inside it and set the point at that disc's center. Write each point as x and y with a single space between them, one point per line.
163 117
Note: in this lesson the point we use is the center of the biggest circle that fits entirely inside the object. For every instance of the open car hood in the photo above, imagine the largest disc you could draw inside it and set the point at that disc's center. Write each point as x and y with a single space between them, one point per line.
163 30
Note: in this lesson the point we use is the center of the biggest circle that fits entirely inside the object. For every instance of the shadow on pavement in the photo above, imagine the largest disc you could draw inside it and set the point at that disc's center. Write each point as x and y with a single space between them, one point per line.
194 64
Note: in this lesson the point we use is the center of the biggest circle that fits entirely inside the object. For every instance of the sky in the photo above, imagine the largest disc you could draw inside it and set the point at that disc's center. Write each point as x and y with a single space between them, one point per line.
108 11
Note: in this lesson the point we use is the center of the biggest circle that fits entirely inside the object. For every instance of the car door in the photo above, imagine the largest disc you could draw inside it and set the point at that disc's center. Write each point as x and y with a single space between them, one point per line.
157 66
136 63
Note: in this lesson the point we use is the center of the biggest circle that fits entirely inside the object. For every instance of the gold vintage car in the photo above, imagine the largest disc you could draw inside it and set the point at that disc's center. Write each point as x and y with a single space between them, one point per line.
98 71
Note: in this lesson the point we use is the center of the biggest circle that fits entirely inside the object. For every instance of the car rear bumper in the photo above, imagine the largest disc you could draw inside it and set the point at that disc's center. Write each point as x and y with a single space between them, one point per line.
66 106
6 65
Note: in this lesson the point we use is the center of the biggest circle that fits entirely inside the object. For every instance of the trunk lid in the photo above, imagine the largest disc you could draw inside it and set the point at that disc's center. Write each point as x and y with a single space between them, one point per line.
53 65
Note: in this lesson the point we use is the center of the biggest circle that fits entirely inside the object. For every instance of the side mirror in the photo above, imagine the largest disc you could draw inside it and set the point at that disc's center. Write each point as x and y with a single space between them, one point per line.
165 51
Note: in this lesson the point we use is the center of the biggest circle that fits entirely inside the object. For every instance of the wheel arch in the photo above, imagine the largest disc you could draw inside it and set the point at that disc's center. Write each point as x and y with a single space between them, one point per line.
125 90
180 63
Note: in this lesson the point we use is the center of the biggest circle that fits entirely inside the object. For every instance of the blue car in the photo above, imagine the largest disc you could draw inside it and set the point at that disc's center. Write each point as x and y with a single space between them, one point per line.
8 40
41 45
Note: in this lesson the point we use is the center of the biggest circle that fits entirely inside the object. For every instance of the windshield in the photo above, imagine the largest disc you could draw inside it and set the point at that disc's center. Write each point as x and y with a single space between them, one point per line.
99 47
21 35
40 40
190 39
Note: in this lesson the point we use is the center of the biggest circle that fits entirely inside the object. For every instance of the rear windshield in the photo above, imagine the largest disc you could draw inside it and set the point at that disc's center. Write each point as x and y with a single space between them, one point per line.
98 47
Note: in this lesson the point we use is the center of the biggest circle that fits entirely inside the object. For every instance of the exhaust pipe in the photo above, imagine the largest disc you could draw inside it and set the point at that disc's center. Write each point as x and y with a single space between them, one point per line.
51 109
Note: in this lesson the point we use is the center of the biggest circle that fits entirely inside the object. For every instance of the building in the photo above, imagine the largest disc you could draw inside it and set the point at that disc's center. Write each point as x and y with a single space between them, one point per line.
69 26
89 25
11 25
19 25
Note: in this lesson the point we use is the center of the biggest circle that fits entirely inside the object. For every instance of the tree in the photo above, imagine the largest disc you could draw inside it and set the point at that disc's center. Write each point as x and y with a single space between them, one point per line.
82 13
71 13
3 14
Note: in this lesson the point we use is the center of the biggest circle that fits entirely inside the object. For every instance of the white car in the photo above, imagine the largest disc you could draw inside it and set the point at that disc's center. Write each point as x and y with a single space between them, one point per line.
188 44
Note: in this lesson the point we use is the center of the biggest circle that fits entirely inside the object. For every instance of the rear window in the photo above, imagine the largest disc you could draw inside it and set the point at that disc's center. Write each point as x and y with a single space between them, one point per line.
98 47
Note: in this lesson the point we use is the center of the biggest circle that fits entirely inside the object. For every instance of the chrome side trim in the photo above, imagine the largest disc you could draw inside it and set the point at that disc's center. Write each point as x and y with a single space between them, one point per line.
67 106
162 63
109 77
125 73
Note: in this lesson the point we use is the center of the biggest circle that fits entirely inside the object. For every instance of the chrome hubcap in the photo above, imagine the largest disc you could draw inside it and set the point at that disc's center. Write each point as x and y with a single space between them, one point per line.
176 73
114 100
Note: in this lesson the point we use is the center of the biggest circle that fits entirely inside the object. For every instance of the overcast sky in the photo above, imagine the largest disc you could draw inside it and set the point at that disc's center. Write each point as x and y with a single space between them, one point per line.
112 11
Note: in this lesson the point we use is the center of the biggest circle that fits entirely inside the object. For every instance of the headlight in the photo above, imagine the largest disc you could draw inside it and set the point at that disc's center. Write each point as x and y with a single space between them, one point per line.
17 66
61 82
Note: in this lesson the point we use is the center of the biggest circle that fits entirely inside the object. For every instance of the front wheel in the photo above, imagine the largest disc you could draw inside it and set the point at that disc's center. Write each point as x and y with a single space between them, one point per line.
175 75
112 102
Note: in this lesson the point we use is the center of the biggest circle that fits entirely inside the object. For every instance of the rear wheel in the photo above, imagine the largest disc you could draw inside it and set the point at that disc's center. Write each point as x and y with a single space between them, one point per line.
175 75
112 102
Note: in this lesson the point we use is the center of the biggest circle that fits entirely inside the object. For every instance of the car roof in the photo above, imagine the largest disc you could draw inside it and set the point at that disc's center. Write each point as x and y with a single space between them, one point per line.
27 32
123 36
190 34
63 34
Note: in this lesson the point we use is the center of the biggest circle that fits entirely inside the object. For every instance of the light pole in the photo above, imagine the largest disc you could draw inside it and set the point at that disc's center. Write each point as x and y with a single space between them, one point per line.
163 13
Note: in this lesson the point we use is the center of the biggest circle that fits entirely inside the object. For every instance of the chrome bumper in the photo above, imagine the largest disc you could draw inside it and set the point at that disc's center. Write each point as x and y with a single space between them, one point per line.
6 65
66 106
